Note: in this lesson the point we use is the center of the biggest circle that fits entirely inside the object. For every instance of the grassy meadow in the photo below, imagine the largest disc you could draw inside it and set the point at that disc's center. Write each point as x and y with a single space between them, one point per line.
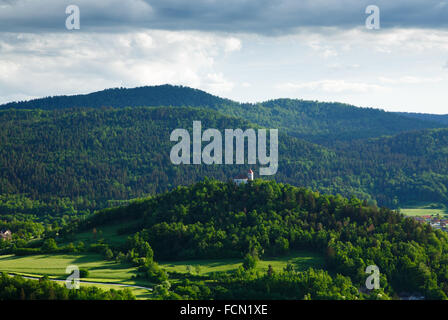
54 266
425 210
107 274
301 260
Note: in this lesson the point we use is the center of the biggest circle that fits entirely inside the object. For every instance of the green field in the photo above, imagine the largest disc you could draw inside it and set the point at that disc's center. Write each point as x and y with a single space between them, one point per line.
301 260
425 210
54 267
108 273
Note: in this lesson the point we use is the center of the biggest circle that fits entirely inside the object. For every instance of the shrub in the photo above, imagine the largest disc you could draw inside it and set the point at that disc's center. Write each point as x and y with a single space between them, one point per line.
83 273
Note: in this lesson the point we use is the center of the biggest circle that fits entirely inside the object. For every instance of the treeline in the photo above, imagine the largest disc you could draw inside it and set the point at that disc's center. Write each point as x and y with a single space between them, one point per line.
212 219
19 288
285 285
290 285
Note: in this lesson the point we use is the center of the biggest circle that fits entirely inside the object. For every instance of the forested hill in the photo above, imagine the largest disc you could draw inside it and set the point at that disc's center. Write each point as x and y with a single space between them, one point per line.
91 156
83 157
319 122
440 118
326 123
164 95
216 219
412 165
73 157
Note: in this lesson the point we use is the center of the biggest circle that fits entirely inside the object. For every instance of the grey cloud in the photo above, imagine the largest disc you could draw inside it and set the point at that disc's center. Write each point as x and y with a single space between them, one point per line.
252 16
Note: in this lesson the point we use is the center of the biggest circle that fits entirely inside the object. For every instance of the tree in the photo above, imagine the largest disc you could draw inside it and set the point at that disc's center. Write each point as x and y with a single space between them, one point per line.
197 269
249 262
49 245
81 246
289 268
270 272
83 273
281 245
109 254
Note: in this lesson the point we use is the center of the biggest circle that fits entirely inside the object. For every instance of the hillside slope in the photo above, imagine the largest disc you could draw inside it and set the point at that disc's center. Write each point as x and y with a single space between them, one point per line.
410 166
314 121
85 157
439 118
214 219
72 157
94 155
327 123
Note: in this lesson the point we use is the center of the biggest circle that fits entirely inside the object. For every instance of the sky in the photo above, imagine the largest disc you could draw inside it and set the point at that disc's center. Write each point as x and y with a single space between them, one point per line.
245 50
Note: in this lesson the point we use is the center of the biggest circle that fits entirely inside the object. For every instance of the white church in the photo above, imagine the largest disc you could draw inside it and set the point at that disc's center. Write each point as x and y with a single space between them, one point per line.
243 178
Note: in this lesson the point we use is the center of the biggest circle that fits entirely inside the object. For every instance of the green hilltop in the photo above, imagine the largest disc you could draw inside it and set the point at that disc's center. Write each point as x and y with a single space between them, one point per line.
213 221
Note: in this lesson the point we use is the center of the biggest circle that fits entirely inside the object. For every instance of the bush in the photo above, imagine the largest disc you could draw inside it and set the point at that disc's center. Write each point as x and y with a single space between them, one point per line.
49 245
249 262
108 254
98 247
83 273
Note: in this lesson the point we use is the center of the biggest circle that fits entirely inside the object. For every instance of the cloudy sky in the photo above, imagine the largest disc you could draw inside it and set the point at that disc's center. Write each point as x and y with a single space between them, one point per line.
246 50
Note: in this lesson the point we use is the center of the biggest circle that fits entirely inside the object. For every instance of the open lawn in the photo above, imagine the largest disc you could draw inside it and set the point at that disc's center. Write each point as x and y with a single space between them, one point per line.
301 260
54 267
424 210
109 273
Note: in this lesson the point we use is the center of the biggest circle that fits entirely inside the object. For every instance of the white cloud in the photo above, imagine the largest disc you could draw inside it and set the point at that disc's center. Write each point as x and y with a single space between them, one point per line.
340 66
323 50
409 80
395 40
232 44
216 83
331 86
415 40
323 64
34 65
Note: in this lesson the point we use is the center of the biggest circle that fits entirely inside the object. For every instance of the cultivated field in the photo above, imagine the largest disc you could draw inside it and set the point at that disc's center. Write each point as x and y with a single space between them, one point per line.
301 260
425 210
109 274
106 272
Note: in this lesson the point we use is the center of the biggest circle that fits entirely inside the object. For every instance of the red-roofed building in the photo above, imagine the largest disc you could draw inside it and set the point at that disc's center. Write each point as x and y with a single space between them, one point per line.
243 178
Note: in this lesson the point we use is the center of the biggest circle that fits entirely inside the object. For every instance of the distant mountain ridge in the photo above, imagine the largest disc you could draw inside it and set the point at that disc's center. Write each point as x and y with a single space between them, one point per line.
327 122
440 118
314 121
152 96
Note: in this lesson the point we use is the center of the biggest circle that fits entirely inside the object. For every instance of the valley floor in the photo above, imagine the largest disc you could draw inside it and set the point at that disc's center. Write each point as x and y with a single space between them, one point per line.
102 274
112 275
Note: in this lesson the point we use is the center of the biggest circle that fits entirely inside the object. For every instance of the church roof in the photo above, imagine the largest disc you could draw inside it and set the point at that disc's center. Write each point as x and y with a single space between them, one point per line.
241 176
